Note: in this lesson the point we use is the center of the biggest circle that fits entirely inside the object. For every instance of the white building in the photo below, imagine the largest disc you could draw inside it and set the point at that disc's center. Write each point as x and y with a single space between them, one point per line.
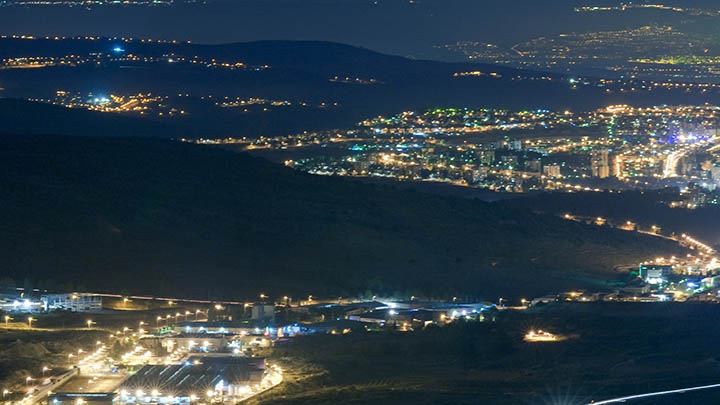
552 171
75 302
264 312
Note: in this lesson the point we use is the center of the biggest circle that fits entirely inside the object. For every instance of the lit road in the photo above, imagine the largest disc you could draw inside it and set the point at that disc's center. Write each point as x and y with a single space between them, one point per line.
40 393
655 394
672 160
272 379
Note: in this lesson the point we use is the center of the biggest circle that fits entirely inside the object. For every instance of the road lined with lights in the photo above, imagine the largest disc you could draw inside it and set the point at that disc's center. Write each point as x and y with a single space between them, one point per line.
671 163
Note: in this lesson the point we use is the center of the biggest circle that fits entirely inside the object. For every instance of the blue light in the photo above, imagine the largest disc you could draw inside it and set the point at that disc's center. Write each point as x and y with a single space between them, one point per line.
118 49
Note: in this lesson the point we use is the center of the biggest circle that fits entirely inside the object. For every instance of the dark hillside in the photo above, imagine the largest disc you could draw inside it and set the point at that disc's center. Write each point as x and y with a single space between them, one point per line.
158 216
24 117
646 208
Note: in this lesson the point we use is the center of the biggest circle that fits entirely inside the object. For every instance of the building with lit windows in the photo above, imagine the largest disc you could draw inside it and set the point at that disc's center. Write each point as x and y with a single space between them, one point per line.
600 163
655 274
75 302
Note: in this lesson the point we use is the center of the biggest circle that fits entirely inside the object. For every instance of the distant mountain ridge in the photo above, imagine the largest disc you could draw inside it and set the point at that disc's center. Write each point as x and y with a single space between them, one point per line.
303 74
315 56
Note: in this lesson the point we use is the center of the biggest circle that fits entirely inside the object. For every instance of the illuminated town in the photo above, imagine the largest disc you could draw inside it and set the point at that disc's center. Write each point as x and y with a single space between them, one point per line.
359 202
625 148
624 54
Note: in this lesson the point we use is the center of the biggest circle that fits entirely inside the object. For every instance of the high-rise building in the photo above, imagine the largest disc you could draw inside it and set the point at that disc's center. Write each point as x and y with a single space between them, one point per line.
715 173
552 170
600 163
486 157
263 312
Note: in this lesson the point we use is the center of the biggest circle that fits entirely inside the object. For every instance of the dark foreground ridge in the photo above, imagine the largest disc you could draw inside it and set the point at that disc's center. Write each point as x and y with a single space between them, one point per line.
156 216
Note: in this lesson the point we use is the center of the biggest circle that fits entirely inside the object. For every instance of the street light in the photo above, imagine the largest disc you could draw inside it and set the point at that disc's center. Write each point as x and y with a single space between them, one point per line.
157 321
30 320
7 318
89 323
27 380
5 392
45 369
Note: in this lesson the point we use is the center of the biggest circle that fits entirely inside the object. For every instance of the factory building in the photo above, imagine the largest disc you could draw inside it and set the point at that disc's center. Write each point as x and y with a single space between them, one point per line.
206 379
75 302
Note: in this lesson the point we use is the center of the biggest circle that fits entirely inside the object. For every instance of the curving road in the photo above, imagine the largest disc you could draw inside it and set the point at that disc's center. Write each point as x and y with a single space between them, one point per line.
672 160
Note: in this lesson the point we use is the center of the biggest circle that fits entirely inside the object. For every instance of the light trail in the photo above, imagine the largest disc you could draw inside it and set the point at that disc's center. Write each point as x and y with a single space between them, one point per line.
671 163
672 160
141 297
655 394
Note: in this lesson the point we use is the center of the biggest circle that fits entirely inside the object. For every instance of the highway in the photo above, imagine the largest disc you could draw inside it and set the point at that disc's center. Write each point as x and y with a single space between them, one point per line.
672 160
655 394
41 393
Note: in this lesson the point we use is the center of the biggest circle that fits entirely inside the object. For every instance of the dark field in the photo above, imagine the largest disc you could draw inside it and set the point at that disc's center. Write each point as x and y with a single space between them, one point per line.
610 351
643 207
